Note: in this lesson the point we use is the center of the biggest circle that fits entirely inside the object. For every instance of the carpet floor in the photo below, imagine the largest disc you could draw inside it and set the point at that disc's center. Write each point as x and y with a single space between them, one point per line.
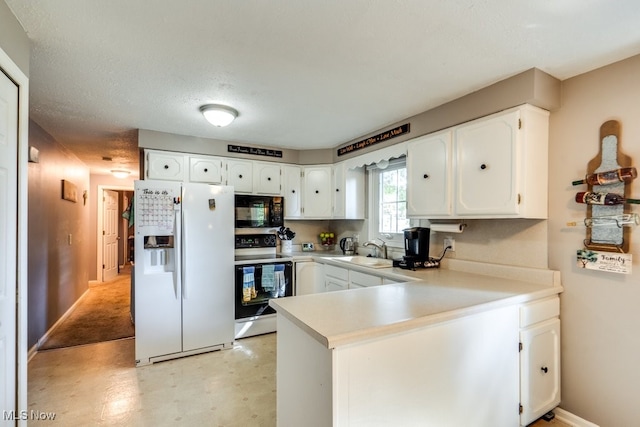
102 314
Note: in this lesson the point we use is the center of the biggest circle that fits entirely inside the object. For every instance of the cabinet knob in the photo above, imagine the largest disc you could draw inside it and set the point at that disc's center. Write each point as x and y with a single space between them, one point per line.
337 189
166 166
317 191
268 178
544 369
206 170
293 191
483 166
425 176
240 176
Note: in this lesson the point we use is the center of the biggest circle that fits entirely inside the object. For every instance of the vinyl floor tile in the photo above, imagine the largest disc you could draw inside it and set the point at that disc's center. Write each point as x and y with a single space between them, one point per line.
99 385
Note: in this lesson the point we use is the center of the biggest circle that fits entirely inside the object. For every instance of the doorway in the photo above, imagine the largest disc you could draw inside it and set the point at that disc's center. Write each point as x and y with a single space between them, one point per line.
114 231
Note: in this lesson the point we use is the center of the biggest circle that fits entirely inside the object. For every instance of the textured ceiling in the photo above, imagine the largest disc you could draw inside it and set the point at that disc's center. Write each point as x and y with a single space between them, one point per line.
303 74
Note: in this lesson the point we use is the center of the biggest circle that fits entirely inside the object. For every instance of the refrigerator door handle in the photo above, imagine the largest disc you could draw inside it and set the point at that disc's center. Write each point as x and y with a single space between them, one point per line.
177 271
183 253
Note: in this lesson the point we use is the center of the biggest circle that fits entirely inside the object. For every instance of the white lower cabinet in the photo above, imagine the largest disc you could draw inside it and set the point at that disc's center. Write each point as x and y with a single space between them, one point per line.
539 359
309 278
335 278
363 280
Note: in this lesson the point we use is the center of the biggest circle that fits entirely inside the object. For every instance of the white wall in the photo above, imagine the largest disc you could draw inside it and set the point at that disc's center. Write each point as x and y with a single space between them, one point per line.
600 314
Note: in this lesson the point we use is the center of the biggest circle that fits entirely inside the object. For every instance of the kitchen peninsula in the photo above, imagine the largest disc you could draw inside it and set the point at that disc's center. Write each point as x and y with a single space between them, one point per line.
442 351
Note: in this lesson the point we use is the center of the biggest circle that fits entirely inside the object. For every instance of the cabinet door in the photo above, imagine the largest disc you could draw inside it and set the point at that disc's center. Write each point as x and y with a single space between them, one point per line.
309 278
292 194
317 192
338 191
332 284
165 166
240 175
266 178
205 169
539 370
362 280
486 166
429 176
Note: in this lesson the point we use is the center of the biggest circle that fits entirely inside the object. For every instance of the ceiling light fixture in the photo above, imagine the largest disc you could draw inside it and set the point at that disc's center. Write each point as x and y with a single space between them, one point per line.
120 173
218 115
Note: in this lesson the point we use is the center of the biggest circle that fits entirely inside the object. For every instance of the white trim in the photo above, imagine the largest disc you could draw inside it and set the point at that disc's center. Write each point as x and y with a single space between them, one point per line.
14 72
99 224
62 318
387 153
573 420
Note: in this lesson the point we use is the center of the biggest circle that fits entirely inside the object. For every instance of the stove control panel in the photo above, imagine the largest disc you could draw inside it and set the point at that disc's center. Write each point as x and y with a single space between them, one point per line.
247 241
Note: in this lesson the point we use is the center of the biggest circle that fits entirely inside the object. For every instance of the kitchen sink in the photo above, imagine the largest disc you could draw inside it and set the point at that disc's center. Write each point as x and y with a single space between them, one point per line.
365 261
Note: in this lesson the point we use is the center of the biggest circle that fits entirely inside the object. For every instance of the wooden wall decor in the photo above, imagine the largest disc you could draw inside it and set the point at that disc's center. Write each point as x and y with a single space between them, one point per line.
610 157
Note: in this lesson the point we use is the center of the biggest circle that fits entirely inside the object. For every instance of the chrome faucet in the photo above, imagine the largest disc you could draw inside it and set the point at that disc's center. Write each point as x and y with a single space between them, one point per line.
378 248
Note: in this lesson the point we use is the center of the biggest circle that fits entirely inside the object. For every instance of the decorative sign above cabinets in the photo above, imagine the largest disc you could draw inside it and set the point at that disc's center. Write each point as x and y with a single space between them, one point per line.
392 133
255 151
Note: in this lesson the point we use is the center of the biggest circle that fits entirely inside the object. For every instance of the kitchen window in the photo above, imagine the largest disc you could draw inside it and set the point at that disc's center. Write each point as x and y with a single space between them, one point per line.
388 201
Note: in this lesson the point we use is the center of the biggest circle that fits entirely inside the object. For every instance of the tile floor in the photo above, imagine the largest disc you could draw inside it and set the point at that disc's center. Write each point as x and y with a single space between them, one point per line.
99 385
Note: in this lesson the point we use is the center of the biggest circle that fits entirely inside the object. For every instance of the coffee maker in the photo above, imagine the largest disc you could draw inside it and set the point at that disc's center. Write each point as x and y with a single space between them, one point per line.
416 249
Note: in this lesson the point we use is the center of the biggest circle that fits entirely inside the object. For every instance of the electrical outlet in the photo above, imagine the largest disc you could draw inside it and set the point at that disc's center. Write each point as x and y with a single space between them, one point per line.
450 241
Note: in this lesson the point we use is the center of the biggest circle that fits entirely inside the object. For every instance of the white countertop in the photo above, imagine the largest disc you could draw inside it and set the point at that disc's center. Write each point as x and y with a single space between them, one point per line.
346 317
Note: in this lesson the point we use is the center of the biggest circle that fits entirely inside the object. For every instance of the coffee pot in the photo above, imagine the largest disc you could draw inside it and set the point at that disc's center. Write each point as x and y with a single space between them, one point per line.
348 245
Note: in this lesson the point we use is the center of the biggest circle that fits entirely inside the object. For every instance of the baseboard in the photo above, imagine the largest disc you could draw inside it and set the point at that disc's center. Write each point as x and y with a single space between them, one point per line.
573 420
62 318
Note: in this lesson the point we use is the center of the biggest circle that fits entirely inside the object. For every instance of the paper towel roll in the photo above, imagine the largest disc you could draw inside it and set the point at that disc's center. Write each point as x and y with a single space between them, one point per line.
448 228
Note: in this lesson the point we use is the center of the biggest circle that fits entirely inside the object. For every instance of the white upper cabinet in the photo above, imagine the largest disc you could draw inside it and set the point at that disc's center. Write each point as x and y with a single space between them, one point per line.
266 178
206 169
487 169
429 175
292 191
317 194
165 165
496 168
348 192
240 175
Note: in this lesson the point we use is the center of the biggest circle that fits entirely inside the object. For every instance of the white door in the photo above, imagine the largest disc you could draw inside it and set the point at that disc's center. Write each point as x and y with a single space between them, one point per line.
240 175
110 235
317 192
487 153
8 237
292 191
207 266
429 175
266 178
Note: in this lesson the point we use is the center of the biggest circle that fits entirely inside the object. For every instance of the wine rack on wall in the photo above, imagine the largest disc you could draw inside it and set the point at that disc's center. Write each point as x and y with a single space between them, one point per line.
607 197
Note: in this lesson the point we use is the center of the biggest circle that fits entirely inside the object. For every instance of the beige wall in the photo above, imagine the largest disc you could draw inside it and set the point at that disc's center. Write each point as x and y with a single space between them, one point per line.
58 273
13 39
600 315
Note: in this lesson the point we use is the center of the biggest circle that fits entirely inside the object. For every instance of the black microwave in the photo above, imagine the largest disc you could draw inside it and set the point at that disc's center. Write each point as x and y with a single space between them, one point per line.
259 211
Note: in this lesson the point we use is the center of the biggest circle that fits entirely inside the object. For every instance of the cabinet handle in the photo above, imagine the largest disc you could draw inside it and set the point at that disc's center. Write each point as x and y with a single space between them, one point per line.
337 189
483 166
206 170
293 191
544 369
317 191
166 166
268 178
240 176
425 176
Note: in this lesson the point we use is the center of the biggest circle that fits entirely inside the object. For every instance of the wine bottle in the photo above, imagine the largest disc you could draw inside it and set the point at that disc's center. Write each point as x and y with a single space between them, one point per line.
591 198
622 220
609 177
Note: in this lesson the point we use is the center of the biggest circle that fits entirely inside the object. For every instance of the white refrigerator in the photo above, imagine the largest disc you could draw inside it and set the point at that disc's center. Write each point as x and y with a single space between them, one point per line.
184 259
